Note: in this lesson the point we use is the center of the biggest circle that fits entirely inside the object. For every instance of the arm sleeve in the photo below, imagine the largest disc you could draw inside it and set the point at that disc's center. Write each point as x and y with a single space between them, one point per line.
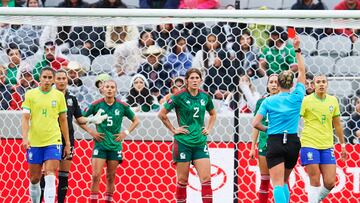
263 108
129 113
89 111
299 93
257 106
170 103
336 111
26 104
303 108
62 104
210 104
77 112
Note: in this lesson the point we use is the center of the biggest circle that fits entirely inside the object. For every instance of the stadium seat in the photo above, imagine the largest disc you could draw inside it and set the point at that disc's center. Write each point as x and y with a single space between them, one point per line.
84 61
4 59
123 84
334 46
308 44
256 4
340 88
348 66
260 85
320 64
103 63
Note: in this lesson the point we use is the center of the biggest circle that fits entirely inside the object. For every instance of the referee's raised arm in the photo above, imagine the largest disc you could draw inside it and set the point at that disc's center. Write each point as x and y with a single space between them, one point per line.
300 59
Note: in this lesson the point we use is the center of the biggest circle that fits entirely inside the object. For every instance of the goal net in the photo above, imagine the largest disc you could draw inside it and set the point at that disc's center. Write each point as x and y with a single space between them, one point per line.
233 50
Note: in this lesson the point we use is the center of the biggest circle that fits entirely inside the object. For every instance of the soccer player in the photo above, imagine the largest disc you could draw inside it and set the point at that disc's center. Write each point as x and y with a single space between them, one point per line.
44 109
272 88
109 150
61 81
190 145
320 112
283 112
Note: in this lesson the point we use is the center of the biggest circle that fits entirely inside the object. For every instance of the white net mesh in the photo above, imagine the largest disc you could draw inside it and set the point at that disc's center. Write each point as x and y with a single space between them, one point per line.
224 48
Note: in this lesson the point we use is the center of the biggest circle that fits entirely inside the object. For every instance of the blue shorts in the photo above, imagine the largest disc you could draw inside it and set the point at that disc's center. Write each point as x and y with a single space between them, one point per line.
38 155
317 156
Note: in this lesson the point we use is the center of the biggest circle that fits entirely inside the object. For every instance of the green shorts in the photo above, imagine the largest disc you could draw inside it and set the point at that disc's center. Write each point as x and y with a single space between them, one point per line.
262 144
184 153
107 154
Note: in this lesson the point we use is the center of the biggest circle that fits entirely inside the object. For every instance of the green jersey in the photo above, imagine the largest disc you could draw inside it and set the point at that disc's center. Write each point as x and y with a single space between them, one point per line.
190 112
262 135
112 125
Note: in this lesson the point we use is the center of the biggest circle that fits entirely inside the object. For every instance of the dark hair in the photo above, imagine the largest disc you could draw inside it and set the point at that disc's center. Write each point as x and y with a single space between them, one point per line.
192 70
47 69
173 49
206 50
12 46
142 33
286 79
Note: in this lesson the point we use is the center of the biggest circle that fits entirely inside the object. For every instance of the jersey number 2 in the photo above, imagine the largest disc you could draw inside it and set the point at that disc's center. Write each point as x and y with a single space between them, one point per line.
196 109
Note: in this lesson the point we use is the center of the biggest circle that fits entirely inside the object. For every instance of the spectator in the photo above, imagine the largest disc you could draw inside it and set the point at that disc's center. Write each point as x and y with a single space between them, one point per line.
179 59
194 33
76 86
109 4
14 55
26 37
348 5
165 35
129 54
49 60
246 55
210 55
153 69
158 4
309 84
278 55
19 3
177 84
139 97
199 4
73 4
310 5
7 3
116 35
248 96
26 82
33 3
260 33
5 90
352 130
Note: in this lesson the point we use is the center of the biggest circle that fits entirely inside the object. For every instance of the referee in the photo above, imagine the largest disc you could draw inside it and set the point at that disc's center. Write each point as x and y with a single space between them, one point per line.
61 82
283 111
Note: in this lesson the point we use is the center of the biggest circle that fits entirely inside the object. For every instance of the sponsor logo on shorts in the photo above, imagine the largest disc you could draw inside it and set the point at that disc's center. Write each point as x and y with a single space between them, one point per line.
310 156
119 154
30 155
96 152
182 155
332 154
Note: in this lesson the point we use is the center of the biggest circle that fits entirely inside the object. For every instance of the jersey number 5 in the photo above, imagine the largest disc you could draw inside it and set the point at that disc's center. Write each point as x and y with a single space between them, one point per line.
109 121
196 109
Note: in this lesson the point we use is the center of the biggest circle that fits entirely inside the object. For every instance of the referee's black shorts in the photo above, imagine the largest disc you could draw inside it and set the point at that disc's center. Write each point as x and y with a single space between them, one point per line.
278 152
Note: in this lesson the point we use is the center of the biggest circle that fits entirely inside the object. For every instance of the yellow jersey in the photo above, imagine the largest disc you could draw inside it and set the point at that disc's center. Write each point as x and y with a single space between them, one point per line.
45 108
318 117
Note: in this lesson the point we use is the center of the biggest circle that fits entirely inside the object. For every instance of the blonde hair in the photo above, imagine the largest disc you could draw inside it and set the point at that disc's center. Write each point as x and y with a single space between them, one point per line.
286 79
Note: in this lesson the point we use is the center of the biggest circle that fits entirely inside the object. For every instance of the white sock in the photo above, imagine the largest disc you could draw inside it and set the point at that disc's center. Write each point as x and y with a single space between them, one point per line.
49 192
35 192
313 194
323 193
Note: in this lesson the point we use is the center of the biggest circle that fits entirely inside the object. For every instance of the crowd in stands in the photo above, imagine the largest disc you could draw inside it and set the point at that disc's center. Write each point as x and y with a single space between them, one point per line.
150 61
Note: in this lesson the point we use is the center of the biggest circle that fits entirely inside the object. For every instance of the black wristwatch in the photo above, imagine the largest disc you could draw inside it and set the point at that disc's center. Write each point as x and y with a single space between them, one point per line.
298 50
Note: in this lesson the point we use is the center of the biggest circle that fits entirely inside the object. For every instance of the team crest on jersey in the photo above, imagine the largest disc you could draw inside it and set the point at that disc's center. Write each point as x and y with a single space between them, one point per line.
69 102
182 155
331 108
309 156
53 103
117 112
202 102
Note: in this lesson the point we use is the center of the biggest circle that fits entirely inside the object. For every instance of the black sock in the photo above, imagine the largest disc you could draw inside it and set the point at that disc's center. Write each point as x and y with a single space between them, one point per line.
42 186
63 186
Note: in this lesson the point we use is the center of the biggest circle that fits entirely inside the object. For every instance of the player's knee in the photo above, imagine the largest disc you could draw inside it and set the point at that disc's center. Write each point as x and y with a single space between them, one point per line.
183 180
34 180
329 183
205 178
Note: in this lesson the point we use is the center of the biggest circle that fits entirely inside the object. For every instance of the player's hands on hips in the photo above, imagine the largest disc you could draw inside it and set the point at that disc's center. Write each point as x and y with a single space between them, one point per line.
181 130
296 42
25 143
205 131
97 136
67 151
120 137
